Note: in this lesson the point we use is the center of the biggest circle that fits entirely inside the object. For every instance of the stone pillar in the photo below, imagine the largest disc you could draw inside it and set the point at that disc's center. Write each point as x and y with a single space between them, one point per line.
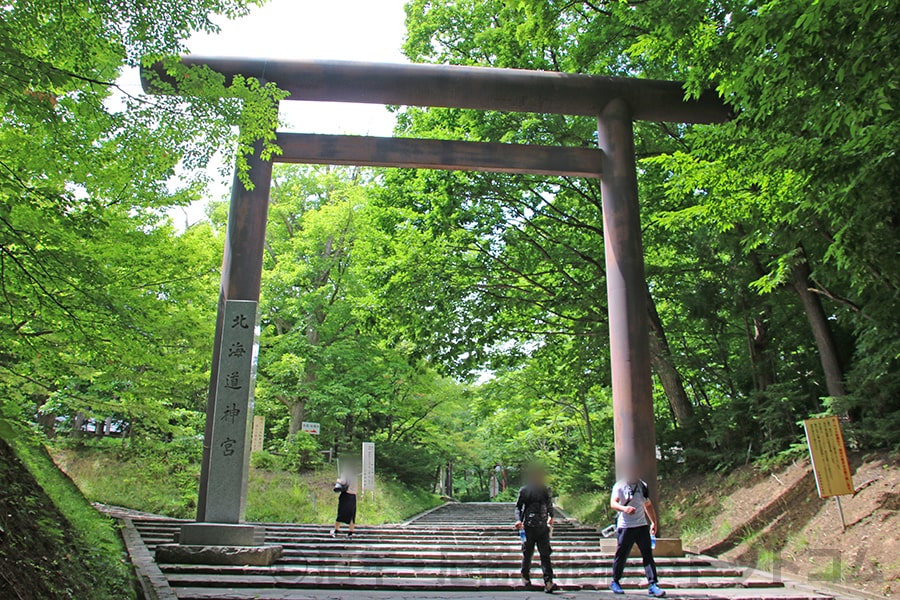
635 427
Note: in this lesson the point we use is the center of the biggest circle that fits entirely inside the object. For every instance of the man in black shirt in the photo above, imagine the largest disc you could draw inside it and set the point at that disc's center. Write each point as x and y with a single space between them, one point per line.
534 514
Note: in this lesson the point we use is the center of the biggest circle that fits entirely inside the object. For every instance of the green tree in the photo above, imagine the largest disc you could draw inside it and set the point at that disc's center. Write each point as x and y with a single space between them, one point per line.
106 307
770 242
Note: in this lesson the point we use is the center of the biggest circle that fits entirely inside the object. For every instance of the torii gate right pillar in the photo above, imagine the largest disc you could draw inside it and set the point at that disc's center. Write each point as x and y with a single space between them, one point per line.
634 423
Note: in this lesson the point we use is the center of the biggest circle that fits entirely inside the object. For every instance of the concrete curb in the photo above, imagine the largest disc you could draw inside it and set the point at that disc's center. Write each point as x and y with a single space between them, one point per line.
153 583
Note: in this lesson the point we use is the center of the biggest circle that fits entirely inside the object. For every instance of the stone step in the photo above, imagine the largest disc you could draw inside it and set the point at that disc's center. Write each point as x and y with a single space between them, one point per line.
469 550
417 570
510 562
238 581
208 593
346 552
505 530
356 543
363 535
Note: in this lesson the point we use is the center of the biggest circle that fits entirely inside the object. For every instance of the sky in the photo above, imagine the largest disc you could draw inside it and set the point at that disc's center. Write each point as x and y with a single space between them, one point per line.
363 30
360 30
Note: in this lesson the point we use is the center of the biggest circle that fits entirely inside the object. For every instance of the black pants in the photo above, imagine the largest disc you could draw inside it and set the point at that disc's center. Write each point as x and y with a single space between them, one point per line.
627 539
540 537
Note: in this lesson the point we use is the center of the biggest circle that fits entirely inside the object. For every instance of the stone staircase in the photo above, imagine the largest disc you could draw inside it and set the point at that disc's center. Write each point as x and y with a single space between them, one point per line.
455 548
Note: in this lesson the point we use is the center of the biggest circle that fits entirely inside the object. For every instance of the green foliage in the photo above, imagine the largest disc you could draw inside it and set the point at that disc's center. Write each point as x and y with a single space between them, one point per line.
408 463
152 476
589 507
748 226
301 452
105 475
265 461
510 494
108 309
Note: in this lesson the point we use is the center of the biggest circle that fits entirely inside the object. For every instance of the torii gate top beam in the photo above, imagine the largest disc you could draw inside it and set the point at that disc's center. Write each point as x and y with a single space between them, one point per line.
482 88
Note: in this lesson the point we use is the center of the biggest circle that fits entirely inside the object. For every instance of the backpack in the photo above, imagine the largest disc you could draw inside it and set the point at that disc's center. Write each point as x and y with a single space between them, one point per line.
535 508
645 492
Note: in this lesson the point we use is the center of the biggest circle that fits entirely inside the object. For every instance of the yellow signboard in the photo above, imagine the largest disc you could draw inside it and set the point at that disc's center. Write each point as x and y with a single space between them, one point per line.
829 457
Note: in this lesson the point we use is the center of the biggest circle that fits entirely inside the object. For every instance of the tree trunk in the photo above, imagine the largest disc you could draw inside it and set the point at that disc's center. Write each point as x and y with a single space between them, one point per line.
758 336
661 361
448 487
78 425
47 421
818 321
758 347
586 413
298 410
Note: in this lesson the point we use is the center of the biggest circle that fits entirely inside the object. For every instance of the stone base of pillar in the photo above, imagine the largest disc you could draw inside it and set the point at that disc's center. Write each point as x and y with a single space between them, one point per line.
257 556
221 534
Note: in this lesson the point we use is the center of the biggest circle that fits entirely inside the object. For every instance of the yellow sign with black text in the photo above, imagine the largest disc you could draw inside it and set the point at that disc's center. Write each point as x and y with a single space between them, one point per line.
829 457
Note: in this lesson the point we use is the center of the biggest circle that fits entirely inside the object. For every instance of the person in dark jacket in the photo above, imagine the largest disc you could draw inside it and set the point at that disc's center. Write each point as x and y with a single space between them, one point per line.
534 515
346 486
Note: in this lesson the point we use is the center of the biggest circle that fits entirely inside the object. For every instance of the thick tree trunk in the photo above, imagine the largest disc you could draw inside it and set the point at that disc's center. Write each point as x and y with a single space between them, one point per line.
818 321
661 361
298 410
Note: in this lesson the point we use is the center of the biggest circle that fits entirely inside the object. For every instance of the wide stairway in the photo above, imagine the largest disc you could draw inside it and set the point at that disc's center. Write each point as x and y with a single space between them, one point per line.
457 547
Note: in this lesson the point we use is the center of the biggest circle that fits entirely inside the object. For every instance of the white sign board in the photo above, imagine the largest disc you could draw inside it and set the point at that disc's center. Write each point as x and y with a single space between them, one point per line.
310 427
259 431
368 466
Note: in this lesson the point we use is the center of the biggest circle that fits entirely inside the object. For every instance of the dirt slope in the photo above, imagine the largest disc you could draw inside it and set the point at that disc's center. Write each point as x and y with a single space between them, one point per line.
776 521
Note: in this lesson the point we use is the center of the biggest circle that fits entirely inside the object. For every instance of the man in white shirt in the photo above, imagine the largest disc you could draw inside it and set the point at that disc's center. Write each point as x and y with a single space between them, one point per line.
637 521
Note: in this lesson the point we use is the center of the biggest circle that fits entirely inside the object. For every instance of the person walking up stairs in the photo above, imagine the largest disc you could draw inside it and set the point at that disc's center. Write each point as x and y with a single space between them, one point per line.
534 515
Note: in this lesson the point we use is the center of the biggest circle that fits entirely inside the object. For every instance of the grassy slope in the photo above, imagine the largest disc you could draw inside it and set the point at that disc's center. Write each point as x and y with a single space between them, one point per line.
276 496
54 544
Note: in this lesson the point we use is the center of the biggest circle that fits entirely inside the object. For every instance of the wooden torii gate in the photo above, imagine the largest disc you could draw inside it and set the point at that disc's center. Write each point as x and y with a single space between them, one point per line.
616 102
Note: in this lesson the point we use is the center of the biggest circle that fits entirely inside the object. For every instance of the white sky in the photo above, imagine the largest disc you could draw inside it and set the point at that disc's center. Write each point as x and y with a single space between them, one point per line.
361 30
